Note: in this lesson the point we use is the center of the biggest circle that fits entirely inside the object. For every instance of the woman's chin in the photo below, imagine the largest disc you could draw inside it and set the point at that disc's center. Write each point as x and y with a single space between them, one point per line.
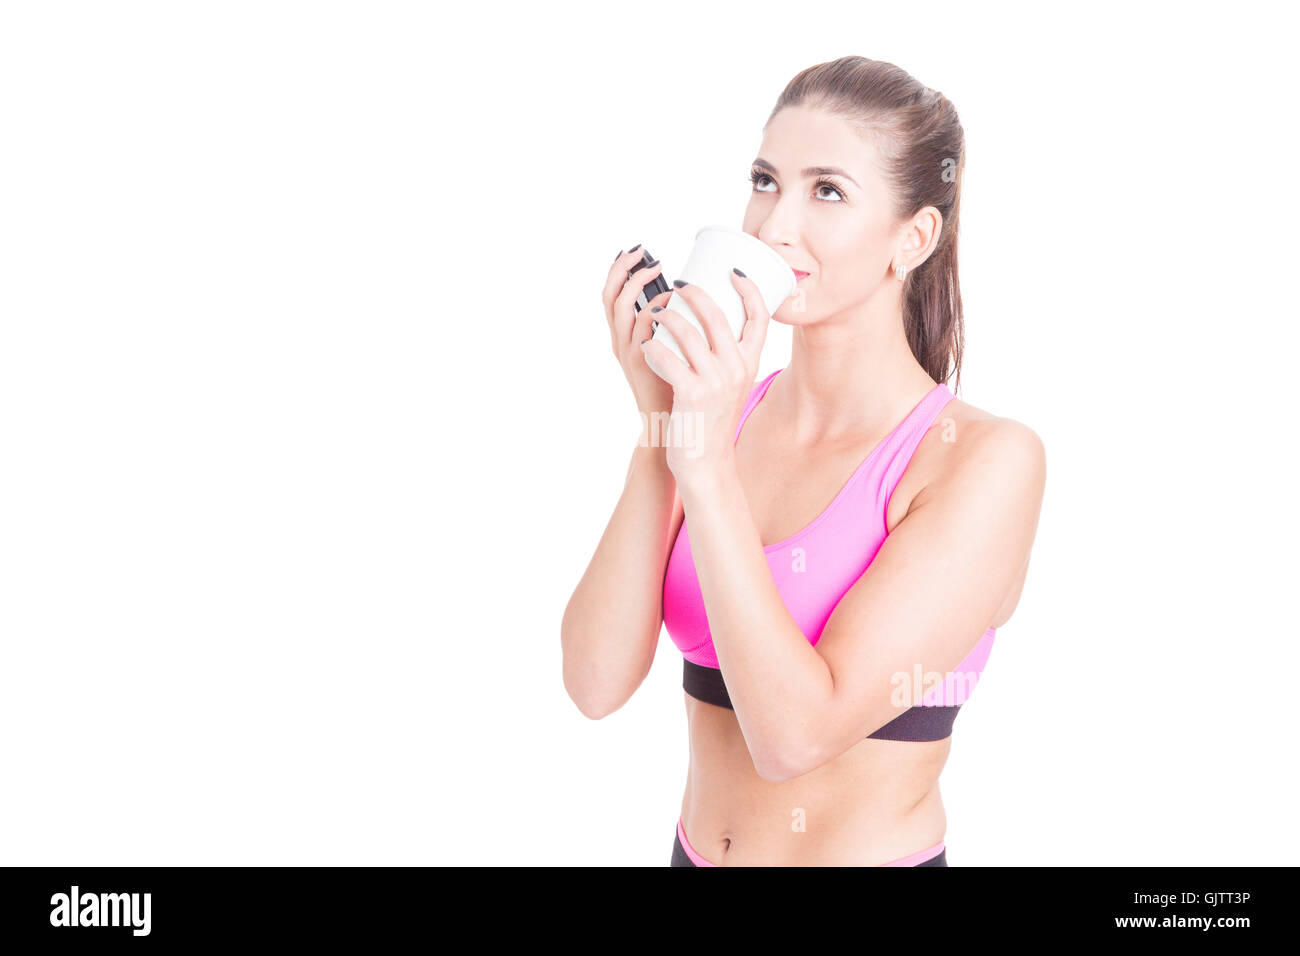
793 311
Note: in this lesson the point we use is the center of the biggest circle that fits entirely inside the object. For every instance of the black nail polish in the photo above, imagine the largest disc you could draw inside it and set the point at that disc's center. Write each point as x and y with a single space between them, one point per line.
657 308
739 273
680 282
644 341
635 248
652 263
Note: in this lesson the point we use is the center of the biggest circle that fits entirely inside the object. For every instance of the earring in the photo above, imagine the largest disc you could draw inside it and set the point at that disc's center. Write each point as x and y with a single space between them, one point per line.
901 271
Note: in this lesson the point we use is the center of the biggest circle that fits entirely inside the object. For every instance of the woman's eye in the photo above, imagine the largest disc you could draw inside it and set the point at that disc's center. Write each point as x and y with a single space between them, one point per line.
762 181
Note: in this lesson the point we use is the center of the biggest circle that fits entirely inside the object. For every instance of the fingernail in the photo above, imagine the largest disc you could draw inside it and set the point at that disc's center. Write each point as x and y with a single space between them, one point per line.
635 248
680 282
657 308
652 263
644 341
739 273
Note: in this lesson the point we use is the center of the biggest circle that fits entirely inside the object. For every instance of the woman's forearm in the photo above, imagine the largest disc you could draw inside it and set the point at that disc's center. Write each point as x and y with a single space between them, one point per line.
776 680
612 622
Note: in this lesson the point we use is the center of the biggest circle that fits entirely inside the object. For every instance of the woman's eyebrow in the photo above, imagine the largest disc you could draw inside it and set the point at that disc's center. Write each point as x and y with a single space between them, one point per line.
811 171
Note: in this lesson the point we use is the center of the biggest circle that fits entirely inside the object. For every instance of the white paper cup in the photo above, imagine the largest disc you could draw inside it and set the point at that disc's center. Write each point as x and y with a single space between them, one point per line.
719 249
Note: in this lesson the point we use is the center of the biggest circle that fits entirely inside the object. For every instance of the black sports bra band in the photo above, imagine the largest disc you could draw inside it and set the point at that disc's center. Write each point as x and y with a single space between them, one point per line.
922 723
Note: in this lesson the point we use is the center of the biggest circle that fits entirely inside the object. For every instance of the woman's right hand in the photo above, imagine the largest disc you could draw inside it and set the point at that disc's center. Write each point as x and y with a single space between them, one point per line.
627 327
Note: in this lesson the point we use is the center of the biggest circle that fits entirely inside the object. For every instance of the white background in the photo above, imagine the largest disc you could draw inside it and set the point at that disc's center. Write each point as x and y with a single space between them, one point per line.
310 424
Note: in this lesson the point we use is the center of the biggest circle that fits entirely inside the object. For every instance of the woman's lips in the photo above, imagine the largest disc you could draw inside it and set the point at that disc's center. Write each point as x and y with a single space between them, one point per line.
799 276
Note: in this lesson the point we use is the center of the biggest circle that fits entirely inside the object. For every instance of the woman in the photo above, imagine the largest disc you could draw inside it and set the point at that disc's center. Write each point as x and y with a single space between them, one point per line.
822 683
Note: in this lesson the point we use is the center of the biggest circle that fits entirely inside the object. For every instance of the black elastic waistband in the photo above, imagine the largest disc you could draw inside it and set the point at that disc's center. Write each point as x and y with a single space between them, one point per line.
916 724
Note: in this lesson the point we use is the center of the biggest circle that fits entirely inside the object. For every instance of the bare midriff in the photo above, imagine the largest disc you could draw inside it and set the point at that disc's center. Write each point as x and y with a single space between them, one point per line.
876 802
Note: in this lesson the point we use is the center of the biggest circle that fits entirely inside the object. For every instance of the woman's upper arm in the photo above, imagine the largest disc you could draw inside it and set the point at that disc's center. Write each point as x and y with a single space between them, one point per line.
934 586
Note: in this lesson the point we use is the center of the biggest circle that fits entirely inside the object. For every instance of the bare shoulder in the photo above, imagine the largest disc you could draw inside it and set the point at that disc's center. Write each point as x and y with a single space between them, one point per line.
966 448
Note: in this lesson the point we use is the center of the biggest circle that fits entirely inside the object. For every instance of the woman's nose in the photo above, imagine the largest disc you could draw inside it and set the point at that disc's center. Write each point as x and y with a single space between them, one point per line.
780 227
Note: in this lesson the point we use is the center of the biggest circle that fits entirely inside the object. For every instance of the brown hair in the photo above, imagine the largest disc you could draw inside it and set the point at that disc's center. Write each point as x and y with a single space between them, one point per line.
919 135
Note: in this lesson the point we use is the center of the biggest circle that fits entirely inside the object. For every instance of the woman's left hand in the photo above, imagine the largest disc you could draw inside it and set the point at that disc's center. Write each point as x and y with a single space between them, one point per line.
710 392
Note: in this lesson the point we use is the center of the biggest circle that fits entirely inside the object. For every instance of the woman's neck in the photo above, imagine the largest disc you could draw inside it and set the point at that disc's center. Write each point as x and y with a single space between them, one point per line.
848 378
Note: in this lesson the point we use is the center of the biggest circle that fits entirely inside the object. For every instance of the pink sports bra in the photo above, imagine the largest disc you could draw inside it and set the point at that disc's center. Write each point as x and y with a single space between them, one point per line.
815 567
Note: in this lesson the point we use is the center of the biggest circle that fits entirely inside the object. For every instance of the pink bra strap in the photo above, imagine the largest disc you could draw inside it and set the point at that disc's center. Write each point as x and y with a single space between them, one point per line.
755 395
